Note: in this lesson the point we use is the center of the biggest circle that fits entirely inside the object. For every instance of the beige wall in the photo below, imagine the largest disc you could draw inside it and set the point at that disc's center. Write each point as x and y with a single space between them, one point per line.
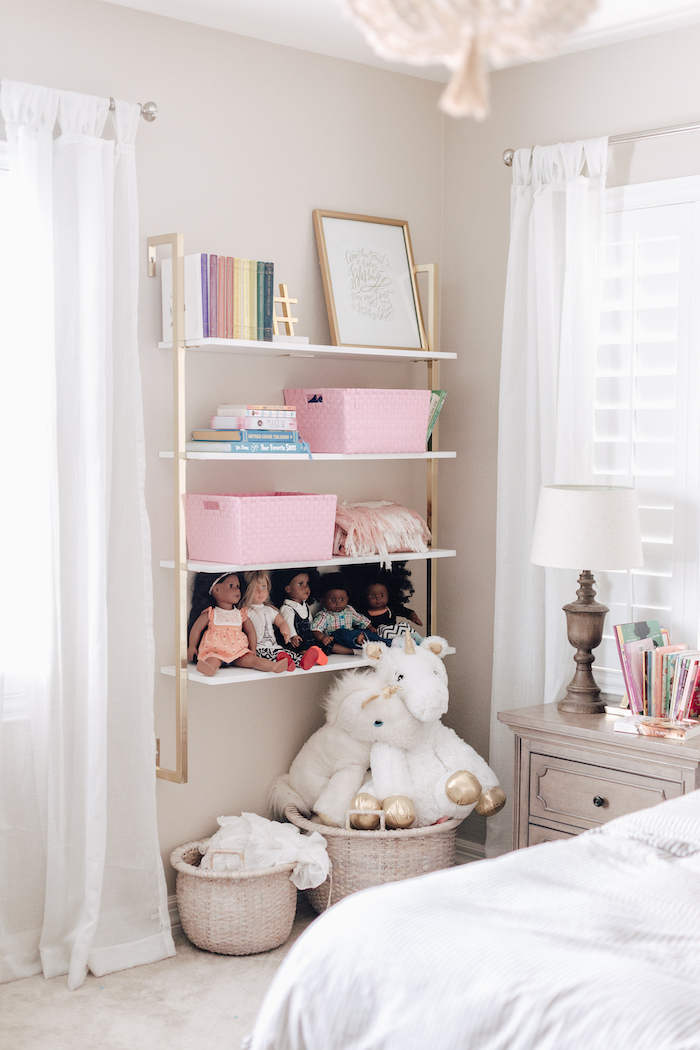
249 139
647 83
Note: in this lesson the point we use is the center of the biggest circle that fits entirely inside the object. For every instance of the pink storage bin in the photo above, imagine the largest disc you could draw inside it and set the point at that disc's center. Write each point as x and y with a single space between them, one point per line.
247 528
362 420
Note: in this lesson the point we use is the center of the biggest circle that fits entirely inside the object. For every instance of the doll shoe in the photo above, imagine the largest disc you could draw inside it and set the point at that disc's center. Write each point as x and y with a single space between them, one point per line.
312 656
291 666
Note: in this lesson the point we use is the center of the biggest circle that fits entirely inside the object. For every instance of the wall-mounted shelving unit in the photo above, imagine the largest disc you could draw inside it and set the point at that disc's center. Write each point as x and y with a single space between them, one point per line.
181 671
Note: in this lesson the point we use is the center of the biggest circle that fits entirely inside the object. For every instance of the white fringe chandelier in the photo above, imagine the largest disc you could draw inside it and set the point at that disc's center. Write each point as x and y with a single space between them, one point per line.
465 35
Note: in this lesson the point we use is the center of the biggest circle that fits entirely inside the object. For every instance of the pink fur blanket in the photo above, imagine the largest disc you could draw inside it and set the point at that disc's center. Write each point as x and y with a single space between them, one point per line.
378 527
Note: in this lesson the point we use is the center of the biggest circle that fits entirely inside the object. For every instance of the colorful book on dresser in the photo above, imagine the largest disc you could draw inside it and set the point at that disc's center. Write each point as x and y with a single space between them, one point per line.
633 639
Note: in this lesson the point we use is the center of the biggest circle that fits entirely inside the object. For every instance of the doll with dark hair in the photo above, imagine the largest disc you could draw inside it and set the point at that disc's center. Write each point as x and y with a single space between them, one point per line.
381 595
219 632
291 592
338 621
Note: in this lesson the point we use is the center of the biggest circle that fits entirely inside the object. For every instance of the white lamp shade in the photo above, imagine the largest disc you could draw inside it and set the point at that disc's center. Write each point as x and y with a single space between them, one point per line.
587 527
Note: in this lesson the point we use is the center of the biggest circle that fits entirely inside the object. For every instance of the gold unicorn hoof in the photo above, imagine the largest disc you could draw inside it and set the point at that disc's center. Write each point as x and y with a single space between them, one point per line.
463 788
399 812
491 802
365 821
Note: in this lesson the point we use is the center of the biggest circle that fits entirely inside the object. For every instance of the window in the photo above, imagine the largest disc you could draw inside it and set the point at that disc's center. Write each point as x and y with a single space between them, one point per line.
647 398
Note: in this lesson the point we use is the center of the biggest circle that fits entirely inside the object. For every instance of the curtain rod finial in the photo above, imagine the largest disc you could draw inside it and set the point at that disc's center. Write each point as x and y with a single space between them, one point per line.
508 155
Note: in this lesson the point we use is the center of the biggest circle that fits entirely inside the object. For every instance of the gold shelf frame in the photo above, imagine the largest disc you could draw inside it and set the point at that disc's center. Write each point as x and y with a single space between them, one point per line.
177 243
178 775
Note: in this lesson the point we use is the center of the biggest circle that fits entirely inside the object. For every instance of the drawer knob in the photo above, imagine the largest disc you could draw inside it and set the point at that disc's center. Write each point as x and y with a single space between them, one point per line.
598 801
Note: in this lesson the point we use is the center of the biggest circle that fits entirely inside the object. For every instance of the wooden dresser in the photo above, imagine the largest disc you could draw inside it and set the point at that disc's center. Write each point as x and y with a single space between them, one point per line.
573 772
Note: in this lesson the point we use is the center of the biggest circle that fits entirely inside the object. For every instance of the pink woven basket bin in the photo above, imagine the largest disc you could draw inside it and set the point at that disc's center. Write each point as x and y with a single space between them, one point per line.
361 420
248 528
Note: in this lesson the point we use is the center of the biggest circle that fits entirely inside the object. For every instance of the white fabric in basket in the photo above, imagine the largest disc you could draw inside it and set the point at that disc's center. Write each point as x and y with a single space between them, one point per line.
267 844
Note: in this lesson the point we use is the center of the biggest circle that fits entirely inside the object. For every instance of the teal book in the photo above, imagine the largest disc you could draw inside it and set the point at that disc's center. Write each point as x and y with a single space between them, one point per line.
261 299
268 305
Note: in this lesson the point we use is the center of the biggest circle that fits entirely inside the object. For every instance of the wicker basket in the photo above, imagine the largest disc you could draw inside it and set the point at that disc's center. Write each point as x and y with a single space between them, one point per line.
233 912
361 420
245 528
360 859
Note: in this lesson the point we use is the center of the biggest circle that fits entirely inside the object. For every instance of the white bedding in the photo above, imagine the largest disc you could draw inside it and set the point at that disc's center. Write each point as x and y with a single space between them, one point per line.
587 944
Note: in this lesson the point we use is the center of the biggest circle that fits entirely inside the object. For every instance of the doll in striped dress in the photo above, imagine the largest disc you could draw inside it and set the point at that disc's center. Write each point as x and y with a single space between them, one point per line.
266 617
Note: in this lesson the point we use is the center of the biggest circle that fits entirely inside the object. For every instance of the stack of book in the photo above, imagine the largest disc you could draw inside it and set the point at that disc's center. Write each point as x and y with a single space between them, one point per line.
251 428
225 298
662 680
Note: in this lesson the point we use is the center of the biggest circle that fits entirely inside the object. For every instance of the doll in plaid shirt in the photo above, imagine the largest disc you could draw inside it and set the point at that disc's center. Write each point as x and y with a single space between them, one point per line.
337 621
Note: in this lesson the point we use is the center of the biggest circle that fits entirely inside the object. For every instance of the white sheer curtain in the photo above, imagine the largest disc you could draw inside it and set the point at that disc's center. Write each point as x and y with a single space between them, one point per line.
545 420
82 880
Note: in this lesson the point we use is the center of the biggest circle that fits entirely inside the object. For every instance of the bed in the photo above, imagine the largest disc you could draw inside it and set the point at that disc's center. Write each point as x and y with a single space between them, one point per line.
586 944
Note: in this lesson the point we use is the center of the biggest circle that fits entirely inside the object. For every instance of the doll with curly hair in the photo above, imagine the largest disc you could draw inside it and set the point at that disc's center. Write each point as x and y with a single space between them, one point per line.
381 595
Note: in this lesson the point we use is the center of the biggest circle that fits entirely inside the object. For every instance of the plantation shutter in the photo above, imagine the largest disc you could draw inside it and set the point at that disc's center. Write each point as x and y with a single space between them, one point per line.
647 405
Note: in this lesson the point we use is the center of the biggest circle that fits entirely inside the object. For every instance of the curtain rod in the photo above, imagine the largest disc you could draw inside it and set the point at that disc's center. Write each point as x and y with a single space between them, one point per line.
149 110
630 137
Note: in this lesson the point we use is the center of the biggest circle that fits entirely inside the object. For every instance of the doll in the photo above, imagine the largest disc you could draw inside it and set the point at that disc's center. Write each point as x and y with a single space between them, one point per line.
291 591
220 634
338 622
266 617
381 595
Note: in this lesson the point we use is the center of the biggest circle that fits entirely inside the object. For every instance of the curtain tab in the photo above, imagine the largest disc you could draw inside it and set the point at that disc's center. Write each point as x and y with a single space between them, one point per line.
126 122
82 114
29 105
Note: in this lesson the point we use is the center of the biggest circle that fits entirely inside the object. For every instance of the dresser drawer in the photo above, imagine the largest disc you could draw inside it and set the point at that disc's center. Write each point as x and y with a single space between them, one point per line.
537 834
586 796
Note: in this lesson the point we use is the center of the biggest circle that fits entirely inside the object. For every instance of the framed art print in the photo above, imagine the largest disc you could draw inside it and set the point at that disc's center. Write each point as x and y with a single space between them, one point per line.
369 281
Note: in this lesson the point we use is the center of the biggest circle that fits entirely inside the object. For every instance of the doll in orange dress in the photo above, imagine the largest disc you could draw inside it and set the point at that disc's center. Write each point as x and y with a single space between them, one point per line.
219 633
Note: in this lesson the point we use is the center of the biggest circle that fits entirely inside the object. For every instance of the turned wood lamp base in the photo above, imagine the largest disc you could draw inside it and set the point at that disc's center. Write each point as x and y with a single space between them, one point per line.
584 623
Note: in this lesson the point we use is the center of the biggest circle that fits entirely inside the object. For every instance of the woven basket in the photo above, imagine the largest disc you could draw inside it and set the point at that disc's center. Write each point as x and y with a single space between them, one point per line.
361 420
360 859
245 528
233 912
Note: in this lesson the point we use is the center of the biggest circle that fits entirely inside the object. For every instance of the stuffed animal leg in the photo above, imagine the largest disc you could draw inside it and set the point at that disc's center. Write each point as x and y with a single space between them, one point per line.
391 783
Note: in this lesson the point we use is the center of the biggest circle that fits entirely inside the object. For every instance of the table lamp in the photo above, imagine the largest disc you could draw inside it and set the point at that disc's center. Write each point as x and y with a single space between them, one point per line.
578 525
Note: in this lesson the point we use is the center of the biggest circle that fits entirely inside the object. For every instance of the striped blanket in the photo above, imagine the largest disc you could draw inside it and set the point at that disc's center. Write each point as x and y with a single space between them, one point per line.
587 944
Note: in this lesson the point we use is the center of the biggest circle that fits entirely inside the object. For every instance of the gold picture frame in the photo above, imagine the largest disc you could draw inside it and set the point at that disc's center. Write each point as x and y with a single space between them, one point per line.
369 281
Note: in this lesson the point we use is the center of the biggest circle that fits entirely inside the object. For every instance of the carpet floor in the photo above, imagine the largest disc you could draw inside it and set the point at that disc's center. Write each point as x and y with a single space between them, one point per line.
195 999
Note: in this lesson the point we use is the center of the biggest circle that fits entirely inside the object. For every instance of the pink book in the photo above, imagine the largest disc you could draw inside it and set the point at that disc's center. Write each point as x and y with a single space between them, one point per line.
213 295
229 297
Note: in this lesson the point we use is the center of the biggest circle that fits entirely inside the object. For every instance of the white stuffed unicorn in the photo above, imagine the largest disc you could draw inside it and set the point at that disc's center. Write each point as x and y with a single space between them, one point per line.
333 763
387 719
438 771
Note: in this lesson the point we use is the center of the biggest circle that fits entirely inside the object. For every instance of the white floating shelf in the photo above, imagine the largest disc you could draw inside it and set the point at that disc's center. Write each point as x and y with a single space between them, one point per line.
241 675
258 348
317 457
371 559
